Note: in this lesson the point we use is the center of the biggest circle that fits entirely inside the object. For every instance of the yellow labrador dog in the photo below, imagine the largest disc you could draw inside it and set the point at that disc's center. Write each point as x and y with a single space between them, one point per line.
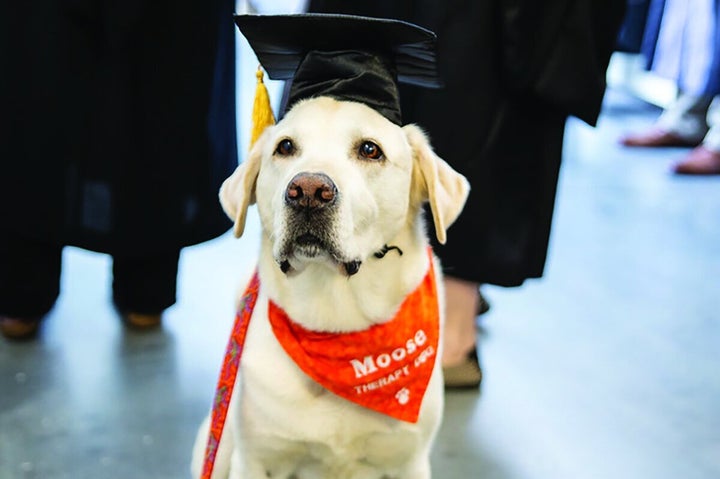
340 193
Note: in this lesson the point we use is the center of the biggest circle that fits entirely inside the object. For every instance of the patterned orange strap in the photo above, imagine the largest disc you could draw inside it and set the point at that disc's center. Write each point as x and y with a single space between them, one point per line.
228 374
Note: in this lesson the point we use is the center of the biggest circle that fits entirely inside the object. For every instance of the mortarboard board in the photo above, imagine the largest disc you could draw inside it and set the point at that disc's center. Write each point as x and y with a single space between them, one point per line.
347 57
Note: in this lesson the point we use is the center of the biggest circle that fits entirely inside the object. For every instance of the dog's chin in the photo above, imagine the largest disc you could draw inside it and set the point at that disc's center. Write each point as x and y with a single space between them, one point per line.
306 249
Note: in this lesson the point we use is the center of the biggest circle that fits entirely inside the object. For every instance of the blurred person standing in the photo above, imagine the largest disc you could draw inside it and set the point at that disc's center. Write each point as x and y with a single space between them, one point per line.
118 127
514 72
681 43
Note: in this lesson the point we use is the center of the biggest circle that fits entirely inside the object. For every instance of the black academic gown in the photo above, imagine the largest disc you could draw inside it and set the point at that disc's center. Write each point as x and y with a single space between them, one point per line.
118 122
514 71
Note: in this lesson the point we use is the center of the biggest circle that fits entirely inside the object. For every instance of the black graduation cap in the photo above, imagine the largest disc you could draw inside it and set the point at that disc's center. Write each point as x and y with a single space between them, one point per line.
347 57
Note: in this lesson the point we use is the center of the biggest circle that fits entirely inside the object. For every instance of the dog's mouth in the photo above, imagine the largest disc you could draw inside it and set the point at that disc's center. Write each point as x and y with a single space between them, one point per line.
308 246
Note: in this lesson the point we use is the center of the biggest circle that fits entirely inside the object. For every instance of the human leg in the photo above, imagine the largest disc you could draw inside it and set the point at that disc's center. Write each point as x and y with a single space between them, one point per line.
144 286
29 284
463 303
682 123
705 159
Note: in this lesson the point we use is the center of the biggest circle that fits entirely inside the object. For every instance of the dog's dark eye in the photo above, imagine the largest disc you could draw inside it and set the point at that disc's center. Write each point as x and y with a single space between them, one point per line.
371 151
285 148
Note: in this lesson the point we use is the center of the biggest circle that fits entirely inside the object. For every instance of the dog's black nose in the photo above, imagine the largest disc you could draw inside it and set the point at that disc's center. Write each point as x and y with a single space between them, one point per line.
310 190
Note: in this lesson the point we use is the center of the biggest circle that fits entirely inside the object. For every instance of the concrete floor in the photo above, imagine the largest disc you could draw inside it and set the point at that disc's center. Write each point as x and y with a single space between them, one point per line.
608 367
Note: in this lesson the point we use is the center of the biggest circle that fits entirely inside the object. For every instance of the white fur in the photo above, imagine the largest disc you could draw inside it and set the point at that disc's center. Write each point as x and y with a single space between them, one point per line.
282 424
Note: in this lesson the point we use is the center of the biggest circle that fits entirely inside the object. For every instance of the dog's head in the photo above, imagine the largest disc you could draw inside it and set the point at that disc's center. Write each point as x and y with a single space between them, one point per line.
335 181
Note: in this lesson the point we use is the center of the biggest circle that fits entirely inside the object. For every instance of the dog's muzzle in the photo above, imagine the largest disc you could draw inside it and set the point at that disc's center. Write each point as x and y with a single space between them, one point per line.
311 200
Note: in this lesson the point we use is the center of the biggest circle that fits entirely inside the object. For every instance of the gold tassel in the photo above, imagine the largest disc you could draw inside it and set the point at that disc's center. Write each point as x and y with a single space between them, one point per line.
262 114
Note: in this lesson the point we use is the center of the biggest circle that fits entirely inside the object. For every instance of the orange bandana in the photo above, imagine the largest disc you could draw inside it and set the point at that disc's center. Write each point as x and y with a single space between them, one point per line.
386 368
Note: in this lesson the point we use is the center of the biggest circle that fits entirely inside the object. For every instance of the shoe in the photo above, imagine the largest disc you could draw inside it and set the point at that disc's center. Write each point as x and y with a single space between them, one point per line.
466 375
19 329
700 161
140 321
658 138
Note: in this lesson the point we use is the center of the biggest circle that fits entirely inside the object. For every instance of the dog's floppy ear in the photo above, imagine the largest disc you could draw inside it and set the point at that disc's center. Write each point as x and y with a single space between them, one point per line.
435 181
237 192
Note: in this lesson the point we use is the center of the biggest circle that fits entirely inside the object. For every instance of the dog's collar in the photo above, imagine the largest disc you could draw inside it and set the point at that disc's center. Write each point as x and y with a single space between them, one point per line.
385 249
351 267
385 368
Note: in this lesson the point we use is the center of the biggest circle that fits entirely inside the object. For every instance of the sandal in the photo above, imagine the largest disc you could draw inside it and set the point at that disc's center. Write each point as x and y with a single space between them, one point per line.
466 375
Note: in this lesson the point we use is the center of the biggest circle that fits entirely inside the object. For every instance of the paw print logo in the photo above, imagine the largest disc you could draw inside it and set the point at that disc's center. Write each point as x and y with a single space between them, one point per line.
403 396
